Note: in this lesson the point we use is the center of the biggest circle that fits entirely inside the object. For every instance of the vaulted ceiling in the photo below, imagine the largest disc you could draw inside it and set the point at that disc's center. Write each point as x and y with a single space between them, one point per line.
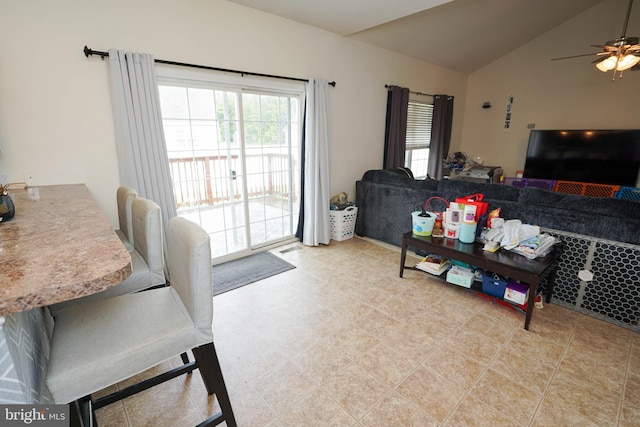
462 35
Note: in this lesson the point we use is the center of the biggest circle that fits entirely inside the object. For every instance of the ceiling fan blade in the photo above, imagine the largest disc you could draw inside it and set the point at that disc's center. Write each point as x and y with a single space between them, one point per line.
573 56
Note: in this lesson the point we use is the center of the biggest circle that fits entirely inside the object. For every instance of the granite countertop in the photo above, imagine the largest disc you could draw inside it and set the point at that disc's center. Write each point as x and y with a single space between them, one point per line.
59 246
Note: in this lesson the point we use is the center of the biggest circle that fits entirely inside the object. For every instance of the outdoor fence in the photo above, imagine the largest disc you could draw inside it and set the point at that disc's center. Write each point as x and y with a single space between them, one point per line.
212 179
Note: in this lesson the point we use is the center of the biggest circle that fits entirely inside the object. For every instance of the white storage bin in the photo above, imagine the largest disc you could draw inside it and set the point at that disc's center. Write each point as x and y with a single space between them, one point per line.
342 223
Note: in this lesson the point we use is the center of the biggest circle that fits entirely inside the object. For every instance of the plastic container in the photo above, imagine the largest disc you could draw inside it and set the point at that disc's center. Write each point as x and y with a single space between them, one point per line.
451 230
467 232
422 223
469 214
438 228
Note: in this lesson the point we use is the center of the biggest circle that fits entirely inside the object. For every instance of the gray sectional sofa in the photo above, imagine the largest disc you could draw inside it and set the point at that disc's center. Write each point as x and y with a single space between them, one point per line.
602 235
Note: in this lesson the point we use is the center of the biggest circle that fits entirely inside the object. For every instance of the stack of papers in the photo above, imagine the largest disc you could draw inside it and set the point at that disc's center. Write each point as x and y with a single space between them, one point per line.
434 264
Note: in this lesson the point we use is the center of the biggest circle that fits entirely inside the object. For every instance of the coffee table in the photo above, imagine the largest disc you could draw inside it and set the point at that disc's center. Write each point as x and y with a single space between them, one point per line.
503 262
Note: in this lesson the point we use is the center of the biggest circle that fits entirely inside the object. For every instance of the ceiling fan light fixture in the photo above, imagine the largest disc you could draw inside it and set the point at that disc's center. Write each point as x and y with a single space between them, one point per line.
627 61
607 64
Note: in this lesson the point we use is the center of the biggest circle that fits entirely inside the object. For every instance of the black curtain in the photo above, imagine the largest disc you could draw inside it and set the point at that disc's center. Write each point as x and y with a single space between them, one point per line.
395 135
440 134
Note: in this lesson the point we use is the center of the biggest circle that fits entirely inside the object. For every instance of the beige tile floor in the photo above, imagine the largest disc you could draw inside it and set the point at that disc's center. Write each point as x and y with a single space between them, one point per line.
343 341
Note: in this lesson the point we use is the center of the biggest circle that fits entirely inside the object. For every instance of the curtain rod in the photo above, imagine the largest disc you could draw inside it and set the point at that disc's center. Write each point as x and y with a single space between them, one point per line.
88 52
415 93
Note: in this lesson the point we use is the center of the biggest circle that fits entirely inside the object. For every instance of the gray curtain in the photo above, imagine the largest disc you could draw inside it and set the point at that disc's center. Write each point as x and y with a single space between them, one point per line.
440 134
142 153
314 215
395 136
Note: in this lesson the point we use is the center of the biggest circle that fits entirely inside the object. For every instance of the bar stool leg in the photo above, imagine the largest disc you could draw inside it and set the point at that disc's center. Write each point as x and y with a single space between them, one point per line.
209 366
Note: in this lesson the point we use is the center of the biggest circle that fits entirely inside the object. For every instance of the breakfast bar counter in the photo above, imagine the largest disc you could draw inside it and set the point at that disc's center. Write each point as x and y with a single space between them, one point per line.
59 246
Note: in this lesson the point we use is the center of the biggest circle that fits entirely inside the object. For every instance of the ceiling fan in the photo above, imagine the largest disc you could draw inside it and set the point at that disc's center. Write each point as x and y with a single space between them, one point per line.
618 55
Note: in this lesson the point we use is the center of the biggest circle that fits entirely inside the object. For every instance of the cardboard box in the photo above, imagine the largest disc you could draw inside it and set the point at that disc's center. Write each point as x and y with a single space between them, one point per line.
516 292
460 276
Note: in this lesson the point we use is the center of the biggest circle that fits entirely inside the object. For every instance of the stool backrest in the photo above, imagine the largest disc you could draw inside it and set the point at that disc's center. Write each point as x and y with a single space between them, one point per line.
191 273
124 197
147 232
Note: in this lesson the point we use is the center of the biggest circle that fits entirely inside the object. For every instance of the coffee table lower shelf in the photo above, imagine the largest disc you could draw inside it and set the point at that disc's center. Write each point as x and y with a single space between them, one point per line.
476 287
505 263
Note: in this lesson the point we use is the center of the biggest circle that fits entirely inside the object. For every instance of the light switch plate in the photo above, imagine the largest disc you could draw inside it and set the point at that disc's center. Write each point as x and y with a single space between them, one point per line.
30 179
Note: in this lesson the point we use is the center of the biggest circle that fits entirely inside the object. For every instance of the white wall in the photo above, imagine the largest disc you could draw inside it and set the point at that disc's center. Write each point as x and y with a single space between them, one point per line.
568 94
55 111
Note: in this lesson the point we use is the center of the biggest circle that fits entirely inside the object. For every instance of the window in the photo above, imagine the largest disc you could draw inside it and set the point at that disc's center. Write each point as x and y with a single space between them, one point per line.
419 120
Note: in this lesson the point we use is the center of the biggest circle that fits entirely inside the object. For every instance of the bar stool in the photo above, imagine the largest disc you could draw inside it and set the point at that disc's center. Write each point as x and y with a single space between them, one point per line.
99 343
124 197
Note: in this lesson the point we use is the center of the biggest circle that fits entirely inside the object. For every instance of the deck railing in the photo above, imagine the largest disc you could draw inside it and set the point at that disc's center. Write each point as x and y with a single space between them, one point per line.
211 179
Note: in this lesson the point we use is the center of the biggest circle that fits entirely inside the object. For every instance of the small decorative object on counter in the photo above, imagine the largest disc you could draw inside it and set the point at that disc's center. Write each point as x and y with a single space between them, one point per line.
7 208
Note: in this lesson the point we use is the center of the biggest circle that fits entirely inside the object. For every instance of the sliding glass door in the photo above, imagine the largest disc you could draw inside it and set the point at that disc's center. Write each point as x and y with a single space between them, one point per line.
234 155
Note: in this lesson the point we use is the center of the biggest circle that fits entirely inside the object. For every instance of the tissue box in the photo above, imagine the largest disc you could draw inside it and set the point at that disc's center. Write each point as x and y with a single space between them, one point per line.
460 276
516 292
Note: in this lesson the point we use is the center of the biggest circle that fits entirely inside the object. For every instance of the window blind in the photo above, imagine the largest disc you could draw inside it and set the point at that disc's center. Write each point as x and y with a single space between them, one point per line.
419 120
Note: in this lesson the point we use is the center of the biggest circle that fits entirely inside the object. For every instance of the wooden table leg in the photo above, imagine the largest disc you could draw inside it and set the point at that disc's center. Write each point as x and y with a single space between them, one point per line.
551 280
533 289
403 256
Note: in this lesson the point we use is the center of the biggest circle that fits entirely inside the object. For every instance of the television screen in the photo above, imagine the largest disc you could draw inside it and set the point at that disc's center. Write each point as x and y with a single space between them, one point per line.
595 156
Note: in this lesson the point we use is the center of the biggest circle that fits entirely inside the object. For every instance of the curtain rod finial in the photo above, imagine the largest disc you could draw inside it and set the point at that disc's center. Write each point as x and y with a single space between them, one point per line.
332 84
88 52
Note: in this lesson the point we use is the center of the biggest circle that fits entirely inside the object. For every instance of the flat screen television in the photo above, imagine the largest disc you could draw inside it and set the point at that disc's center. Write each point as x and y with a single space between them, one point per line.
595 156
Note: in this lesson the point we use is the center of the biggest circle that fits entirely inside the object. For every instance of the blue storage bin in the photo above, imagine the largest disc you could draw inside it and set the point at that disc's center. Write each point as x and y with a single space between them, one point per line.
494 287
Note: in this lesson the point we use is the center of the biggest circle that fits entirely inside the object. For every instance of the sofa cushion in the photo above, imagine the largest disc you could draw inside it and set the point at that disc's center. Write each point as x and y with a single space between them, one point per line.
392 177
606 218
425 184
597 205
387 177
386 213
452 188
